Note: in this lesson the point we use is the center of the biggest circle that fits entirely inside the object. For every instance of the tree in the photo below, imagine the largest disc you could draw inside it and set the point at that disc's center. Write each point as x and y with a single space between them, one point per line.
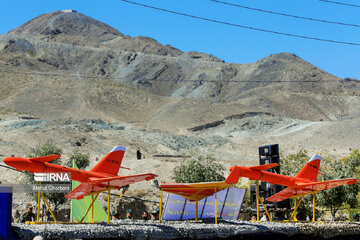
292 164
330 169
335 198
201 169
48 148
82 160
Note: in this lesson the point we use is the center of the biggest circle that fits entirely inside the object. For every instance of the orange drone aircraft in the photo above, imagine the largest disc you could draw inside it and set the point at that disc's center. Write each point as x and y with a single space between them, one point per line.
304 183
102 177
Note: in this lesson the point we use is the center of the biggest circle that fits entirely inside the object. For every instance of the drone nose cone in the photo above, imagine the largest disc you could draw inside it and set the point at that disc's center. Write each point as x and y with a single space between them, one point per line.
16 162
8 161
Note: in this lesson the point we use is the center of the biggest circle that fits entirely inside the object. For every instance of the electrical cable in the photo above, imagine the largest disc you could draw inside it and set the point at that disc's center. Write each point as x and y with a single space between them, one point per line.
242 26
167 80
340 3
285 14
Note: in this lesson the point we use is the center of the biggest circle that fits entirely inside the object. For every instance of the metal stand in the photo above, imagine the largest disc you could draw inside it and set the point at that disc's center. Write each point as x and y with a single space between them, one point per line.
296 206
313 218
196 209
160 208
215 207
108 207
41 195
93 199
91 207
258 198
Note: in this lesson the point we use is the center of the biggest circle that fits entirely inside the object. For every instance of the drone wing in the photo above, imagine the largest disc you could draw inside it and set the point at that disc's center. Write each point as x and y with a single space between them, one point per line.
307 188
194 191
282 195
325 185
99 184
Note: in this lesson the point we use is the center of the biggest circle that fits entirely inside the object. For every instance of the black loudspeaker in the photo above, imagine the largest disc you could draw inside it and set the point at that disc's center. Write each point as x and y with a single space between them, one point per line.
269 154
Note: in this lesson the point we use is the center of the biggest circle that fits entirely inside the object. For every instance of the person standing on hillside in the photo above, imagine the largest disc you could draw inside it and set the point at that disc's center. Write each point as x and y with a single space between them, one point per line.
138 154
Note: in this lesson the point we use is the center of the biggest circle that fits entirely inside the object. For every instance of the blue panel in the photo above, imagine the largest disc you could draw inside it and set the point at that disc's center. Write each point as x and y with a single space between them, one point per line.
5 213
190 209
229 203
174 207
209 209
234 200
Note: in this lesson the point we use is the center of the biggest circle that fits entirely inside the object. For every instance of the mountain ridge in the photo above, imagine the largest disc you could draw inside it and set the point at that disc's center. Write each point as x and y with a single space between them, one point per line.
139 81
68 22
71 80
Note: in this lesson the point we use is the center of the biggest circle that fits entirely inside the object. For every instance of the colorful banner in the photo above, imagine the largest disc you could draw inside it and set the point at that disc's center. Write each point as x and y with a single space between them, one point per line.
209 210
174 207
229 202
79 207
234 201
190 209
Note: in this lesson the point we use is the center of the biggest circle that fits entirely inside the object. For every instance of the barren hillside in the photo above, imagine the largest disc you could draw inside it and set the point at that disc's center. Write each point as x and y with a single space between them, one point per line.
68 77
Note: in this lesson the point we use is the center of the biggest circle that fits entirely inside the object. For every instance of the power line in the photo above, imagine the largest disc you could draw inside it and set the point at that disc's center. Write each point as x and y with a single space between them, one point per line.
340 3
286 15
166 80
242 26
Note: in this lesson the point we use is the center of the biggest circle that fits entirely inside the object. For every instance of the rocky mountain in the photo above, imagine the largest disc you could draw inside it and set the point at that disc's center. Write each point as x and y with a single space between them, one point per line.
85 86
65 65
63 24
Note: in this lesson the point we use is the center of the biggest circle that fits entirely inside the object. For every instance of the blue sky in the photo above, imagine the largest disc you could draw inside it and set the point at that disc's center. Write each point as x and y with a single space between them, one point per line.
226 42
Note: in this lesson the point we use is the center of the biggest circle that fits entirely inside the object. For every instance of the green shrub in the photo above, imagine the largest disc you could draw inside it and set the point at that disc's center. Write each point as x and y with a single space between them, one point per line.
82 160
201 169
